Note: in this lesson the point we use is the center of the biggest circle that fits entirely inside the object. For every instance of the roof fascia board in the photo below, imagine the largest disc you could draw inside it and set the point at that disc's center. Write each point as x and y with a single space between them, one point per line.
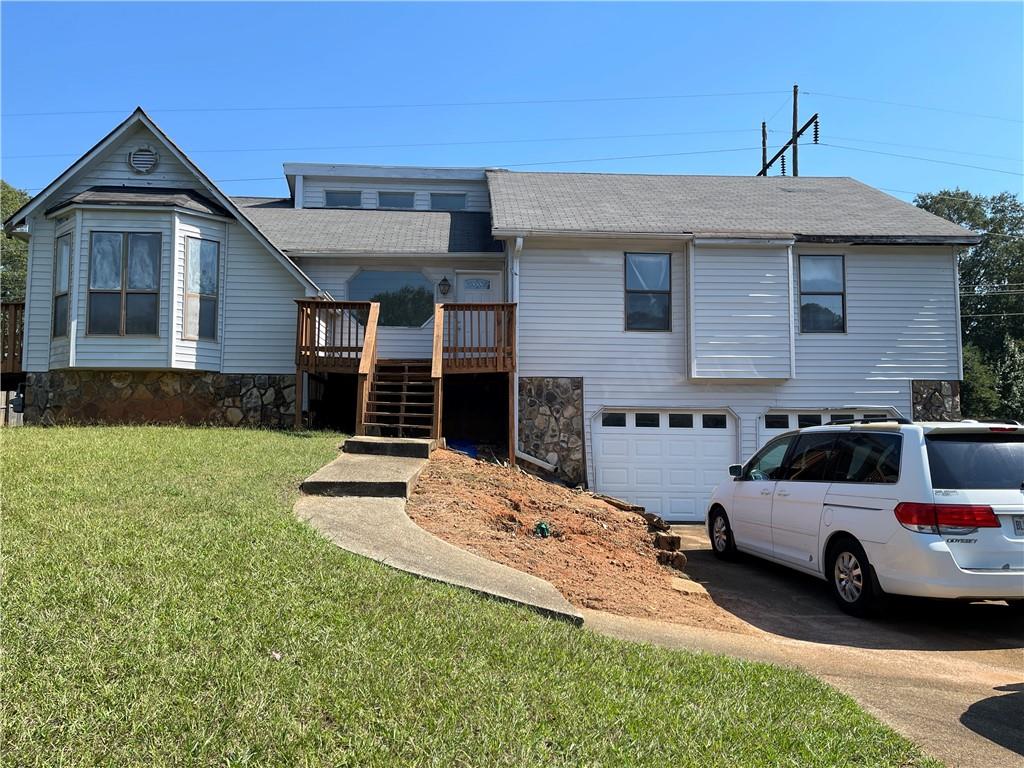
327 254
890 239
63 210
503 234
412 172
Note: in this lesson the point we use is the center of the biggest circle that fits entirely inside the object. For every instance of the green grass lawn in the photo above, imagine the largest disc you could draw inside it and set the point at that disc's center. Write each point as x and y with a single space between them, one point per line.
162 606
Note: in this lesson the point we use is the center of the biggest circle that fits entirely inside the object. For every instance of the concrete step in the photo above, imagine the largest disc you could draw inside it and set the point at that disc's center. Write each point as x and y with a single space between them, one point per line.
355 474
410 447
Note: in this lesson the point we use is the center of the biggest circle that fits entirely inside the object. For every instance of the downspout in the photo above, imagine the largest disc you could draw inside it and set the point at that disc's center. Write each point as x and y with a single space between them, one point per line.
517 250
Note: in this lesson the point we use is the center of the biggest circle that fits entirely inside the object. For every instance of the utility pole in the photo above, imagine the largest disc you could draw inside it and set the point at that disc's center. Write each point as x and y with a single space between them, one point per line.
798 131
796 119
764 144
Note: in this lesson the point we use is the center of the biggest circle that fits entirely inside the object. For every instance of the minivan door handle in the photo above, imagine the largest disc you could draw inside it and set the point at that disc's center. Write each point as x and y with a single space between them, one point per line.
782 493
766 491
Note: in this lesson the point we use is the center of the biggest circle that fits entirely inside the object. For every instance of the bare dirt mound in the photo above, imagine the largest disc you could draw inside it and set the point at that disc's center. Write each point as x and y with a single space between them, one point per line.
598 556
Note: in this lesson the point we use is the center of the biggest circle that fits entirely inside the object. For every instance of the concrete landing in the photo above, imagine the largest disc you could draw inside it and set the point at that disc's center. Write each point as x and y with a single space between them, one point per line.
354 474
391 446
380 530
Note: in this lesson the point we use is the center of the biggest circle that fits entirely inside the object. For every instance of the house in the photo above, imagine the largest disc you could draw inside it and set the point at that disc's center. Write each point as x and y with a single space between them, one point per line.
636 333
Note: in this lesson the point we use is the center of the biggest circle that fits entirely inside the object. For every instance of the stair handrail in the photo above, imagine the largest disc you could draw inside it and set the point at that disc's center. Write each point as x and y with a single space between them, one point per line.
437 350
367 363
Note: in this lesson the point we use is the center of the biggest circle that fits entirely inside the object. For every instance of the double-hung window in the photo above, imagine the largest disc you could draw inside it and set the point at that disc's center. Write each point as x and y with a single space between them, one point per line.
822 294
61 285
648 292
202 278
124 284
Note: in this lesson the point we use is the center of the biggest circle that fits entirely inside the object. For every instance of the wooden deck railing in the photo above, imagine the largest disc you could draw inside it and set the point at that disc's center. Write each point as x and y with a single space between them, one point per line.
12 331
477 338
330 335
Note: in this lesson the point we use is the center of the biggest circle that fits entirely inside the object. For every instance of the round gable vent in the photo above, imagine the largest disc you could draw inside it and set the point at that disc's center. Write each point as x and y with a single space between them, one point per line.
143 159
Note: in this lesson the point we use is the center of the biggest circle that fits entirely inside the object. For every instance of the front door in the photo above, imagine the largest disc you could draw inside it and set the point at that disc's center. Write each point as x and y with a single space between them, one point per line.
478 287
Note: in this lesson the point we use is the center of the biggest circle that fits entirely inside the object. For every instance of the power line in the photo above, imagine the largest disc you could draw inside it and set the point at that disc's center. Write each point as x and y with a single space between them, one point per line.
411 105
915 106
925 159
997 314
919 146
432 143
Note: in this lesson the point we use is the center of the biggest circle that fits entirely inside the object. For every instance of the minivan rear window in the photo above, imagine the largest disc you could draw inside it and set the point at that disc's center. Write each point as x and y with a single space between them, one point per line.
977 460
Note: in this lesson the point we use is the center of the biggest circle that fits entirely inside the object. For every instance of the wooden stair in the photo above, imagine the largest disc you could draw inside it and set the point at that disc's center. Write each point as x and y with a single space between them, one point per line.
401 399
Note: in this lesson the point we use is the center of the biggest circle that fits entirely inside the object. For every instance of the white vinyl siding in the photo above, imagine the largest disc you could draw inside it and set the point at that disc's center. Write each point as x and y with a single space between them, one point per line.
333 274
40 352
741 313
901 326
94 351
259 308
197 354
314 188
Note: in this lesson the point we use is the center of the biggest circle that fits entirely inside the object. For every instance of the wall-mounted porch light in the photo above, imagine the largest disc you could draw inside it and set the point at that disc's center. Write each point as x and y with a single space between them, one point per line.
444 286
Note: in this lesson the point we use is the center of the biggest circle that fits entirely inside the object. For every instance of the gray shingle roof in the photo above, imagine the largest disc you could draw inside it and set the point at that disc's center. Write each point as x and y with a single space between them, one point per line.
189 199
811 208
348 230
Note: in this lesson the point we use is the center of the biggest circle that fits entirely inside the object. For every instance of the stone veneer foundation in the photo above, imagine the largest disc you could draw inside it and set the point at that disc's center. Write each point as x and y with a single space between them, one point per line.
159 397
551 423
936 400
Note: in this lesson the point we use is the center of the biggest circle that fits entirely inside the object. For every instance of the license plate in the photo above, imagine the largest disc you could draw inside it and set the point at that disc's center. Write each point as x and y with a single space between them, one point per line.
1018 525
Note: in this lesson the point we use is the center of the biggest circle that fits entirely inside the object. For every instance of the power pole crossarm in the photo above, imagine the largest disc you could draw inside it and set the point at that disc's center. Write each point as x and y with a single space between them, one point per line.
799 133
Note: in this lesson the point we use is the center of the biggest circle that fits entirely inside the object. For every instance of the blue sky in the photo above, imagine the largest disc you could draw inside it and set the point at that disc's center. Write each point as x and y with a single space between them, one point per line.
166 57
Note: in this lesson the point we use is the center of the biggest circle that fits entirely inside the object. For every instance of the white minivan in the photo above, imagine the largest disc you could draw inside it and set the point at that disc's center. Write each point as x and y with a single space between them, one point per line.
884 506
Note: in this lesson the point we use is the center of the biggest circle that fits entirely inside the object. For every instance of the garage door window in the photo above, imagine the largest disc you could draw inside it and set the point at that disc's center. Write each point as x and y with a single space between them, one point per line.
680 421
776 421
613 420
649 420
713 420
808 420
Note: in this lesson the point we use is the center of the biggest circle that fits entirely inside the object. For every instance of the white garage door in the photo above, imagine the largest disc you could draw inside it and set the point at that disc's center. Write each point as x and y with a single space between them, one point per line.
666 461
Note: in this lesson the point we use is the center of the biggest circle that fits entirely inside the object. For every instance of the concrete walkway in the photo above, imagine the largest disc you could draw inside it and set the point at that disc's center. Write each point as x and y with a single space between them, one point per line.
378 528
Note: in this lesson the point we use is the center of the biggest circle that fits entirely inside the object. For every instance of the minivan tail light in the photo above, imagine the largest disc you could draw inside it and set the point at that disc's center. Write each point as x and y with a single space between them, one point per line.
945 518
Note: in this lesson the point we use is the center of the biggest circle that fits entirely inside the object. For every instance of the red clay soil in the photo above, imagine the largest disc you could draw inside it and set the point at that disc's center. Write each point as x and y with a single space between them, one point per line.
598 556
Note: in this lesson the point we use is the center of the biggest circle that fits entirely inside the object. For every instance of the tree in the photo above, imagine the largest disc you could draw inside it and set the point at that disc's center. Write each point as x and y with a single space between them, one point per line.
979 395
1010 373
13 253
991 299
992 272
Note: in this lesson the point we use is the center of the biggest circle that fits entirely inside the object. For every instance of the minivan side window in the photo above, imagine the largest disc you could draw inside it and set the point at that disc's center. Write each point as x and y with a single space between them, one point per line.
811 458
766 464
864 457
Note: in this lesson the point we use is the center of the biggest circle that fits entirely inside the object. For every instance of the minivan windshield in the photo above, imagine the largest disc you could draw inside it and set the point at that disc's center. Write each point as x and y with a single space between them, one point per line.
986 460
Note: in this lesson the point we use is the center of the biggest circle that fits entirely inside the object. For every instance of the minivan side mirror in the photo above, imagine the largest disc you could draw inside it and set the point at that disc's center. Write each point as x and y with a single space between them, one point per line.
735 470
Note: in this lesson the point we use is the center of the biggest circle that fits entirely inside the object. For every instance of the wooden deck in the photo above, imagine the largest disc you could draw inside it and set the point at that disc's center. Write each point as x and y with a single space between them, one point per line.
12 332
341 337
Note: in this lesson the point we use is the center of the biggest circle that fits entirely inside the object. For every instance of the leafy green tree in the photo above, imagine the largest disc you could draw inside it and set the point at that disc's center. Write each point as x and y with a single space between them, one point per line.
1010 372
13 253
991 299
979 395
992 272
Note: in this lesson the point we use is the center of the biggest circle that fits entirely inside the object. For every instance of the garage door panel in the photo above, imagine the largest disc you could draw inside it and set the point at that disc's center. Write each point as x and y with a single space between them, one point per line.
670 472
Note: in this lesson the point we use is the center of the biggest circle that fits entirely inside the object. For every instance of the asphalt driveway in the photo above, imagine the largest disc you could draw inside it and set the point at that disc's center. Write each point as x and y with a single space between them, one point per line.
950 676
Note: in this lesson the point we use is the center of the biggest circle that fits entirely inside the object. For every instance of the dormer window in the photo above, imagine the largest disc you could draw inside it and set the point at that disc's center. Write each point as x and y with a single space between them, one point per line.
447 201
396 199
343 198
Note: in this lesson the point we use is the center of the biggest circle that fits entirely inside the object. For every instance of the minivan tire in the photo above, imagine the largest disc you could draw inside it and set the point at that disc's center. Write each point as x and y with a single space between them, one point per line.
852 578
723 545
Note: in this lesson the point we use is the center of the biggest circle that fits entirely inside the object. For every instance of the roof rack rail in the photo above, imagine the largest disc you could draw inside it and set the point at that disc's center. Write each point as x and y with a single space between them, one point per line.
870 420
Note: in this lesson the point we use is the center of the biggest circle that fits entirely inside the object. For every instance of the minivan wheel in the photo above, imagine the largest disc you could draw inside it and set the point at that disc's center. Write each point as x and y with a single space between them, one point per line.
851 578
723 546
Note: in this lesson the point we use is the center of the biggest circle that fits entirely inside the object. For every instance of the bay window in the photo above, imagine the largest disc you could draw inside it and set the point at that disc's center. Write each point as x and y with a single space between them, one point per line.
124 284
202 277
61 285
